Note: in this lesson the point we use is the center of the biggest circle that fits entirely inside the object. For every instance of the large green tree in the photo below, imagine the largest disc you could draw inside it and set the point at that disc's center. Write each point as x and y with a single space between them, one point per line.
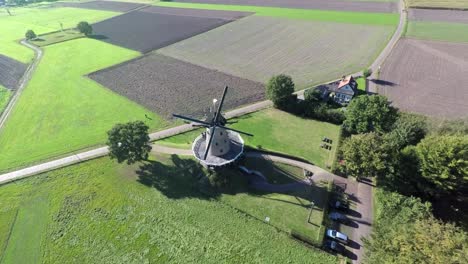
443 161
370 114
408 130
129 142
366 155
279 90
85 28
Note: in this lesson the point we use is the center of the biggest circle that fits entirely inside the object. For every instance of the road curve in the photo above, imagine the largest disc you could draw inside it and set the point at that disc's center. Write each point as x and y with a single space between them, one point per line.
23 82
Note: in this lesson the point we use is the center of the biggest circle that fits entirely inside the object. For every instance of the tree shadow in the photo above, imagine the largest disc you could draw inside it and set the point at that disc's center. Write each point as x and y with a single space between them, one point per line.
349 254
176 181
383 82
353 244
98 37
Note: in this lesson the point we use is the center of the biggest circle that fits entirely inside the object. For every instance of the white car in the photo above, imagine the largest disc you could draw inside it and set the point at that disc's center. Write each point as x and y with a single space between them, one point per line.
337 236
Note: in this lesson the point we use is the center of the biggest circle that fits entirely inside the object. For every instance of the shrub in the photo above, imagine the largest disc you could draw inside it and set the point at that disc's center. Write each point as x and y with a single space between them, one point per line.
30 35
279 90
85 28
366 73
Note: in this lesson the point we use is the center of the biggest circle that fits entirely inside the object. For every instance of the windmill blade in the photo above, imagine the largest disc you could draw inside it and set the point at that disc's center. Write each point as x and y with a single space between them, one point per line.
209 143
191 119
220 104
238 131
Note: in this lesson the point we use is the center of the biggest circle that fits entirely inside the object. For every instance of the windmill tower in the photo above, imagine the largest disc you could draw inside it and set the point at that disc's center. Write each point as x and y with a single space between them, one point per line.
219 145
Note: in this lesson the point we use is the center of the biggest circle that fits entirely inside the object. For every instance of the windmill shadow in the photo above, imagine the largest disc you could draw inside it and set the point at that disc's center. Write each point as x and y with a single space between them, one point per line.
383 82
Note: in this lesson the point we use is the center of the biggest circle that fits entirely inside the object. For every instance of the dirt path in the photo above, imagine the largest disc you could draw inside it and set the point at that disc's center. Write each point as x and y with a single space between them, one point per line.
22 83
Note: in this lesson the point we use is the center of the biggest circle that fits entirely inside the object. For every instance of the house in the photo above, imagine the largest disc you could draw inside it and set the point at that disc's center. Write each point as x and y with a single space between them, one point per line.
345 90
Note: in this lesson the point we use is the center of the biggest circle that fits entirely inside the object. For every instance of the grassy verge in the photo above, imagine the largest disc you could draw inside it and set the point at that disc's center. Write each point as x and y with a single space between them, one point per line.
40 20
279 131
56 37
304 14
102 212
61 110
438 3
452 32
5 95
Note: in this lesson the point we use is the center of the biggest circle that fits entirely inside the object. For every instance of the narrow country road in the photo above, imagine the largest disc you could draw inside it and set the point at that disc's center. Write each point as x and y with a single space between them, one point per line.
23 82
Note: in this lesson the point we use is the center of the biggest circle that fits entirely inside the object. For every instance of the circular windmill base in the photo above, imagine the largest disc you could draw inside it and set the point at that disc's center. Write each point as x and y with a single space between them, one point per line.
235 152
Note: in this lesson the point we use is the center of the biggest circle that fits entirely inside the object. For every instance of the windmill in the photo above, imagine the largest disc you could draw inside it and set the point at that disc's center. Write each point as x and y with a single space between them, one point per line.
219 145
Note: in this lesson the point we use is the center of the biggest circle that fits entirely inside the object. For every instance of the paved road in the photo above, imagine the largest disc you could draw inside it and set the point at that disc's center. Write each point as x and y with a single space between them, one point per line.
24 80
386 51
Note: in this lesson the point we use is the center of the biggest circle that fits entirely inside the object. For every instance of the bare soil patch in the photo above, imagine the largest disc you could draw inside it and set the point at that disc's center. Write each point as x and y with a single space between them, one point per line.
104 5
228 15
167 85
340 5
454 16
11 72
427 77
154 28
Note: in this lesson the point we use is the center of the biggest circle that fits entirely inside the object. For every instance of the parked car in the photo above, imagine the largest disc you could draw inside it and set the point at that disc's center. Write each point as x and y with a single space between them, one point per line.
334 246
337 236
335 216
337 204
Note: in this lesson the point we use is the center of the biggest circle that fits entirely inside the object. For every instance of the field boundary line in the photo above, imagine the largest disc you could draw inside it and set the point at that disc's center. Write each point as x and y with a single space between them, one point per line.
9 235
23 82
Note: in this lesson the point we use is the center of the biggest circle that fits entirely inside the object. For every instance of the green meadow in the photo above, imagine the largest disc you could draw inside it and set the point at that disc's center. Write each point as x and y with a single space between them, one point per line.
305 14
452 32
5 95
61 110
40 20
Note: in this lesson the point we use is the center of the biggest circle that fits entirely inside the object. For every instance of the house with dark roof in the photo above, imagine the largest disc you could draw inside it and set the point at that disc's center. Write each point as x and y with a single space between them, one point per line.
345 90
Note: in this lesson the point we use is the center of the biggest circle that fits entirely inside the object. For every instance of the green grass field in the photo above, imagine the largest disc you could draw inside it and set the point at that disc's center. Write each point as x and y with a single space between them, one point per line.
452 32
279 131
303 14
438 3
61 110
101 212
56 37
5 95
40 20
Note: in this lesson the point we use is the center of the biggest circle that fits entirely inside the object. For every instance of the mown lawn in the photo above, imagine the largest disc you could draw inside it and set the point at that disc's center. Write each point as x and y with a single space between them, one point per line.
40 20
101 212
278 131
304 14
5 95
61 36
61 110
452 32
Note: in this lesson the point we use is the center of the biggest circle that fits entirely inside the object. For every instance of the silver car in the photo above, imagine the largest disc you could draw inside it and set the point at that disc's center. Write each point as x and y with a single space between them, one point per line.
337 236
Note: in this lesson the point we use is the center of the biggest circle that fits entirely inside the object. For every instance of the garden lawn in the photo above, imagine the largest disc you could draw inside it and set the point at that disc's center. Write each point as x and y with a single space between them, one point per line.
278 131
40 20
303 14
5 95
102 212
452 32
61 110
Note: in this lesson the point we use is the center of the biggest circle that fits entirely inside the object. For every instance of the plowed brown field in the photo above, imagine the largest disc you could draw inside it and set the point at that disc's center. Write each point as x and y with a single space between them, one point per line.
427 77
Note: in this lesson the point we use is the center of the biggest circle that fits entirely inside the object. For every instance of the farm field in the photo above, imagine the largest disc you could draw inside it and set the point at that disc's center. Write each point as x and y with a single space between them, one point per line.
56 37
442 25
438 3
365 18
40 20
149 28
278 131
166 85
73 111
115 6
101 212
427 77
4 97
11 72
341 5
308 51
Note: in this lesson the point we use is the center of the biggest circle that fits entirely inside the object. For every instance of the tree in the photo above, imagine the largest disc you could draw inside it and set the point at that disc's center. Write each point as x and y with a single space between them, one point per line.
85 28
366 155
366 73
129 142
408 130
279 90
370 113
30 35
443 161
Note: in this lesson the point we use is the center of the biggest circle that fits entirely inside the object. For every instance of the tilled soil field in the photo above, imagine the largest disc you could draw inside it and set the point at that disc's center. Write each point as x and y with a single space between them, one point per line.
427 77
454 16
150 28
103 5
228 15
340 5
167 85
11 72
258 47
